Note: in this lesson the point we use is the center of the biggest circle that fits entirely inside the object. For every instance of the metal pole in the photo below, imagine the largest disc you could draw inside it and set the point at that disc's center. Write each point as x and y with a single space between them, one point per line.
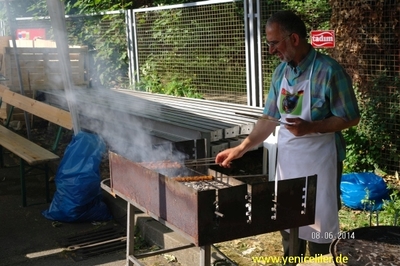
57 14
135 50
130 241
260 87
21 85
251 18
131 48
247 48
205 255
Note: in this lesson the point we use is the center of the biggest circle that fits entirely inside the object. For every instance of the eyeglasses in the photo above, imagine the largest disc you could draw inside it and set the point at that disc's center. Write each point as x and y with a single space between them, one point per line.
273 45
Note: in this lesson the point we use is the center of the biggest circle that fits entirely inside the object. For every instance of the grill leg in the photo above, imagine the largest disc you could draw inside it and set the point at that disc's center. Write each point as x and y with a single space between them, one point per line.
293 243
46 176
130 245
205 255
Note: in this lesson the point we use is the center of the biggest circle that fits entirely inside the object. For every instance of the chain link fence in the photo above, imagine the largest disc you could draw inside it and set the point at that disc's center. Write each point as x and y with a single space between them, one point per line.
201 49
198 48
368 46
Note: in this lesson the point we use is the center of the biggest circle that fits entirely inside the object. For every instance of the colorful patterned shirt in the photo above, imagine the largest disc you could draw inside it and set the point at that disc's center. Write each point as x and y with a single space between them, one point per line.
332 93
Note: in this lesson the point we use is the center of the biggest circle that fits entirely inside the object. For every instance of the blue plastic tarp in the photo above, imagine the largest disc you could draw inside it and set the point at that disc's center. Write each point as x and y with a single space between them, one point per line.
78 196
356 188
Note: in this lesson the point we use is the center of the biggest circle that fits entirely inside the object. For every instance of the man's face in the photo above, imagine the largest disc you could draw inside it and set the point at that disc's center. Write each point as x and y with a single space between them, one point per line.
279 43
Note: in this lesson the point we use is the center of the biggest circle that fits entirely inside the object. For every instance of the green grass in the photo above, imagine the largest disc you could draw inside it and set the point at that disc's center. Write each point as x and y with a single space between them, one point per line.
351 219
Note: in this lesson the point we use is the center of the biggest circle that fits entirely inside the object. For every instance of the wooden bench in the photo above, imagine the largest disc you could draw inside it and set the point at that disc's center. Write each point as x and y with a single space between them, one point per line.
29 152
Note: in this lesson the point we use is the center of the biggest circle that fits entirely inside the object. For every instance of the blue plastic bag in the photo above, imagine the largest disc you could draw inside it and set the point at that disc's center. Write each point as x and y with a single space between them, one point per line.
78 197
356 186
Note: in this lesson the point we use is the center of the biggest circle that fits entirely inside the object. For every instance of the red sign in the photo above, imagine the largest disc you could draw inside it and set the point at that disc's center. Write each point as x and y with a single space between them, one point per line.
323 38
31 34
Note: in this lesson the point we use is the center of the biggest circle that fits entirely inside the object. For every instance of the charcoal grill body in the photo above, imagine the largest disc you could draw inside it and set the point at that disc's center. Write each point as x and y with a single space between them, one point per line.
193 213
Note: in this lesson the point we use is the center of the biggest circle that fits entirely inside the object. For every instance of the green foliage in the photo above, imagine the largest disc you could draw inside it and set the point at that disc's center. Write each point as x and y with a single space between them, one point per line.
170 2
389 215
151 82
181 88
391 207
375 141
110 59
95 6
361 154
107 45
366 201
351 219
315 13
190 48
17 8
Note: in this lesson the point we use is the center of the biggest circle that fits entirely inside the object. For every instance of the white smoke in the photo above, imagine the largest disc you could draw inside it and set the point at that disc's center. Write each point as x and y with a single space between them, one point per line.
117 118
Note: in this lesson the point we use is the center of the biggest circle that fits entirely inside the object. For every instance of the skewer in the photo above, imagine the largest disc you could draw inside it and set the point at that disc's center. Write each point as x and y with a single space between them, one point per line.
244 176
201 160
200 164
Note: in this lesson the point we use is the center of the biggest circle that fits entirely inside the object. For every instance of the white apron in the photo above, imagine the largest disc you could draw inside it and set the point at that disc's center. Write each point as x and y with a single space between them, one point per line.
308 155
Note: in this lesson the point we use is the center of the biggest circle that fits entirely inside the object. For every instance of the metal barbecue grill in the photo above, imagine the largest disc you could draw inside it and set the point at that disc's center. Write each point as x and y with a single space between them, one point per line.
220 208
204 212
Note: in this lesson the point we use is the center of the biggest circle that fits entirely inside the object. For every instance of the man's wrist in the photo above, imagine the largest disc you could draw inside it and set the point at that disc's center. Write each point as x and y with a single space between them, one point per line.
316 126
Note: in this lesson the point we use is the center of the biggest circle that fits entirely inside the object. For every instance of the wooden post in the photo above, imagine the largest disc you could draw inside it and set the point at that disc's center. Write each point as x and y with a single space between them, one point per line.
56 10
21 86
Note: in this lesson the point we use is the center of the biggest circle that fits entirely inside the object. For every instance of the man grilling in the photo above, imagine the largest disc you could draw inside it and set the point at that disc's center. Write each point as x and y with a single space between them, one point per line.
314 94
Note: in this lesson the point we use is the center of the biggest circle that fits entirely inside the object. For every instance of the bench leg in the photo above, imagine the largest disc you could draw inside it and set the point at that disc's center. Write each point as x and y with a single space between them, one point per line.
22 177
23 185
1 157
46 175
59 134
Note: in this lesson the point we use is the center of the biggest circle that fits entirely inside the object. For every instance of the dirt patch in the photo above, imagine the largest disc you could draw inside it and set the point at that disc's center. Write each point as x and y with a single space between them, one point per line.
246 251
370 246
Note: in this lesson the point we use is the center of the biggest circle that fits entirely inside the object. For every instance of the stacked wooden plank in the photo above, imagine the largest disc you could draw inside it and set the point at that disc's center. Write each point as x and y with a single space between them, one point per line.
39 65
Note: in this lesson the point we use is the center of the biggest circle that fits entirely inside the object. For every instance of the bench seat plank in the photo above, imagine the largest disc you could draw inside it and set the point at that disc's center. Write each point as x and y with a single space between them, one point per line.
28 151
40 109
25 149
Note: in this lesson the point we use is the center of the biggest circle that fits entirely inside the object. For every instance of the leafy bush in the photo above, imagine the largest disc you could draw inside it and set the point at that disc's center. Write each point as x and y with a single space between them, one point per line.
375 141
152 82
360 155
391 208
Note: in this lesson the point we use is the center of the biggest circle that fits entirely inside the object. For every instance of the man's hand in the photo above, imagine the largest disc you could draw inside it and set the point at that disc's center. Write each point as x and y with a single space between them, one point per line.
225 157
298 126
260 132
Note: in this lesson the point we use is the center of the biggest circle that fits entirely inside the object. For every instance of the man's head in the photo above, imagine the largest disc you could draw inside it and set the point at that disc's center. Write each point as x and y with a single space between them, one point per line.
286 36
